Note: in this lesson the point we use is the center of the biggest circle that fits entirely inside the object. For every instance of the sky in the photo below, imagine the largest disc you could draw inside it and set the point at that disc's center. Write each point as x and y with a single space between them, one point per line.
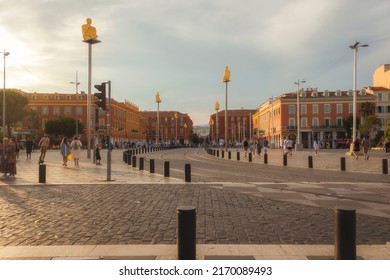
180 48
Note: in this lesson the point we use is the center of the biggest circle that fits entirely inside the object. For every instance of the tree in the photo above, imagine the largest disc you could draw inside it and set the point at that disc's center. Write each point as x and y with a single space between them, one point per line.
367 109
15 102
63 126
369 125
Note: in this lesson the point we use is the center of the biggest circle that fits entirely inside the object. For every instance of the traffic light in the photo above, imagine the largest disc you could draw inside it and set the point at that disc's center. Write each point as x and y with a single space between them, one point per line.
106 141
101 95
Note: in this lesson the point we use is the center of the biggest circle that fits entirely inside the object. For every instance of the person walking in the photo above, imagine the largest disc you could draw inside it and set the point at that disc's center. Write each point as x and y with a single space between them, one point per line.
316 146
366 147
289 145
387 146
4 158
11 157
44 145
29 148
258 147
65 151
356 148
284 145
245 144
265 145
97 155
75 146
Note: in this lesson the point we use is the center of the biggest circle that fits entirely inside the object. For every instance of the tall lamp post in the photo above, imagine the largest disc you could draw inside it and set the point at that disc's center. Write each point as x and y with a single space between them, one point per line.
185 132
226 79
76 82
176 117
4 128
216 107
298 145
158 101
355 48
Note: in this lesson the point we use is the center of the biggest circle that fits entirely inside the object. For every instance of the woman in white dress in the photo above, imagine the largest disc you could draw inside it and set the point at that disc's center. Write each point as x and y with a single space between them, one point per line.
316 146
75 147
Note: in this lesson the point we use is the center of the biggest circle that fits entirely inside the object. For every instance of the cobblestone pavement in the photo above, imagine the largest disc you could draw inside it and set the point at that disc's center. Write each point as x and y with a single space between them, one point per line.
78 207
146 214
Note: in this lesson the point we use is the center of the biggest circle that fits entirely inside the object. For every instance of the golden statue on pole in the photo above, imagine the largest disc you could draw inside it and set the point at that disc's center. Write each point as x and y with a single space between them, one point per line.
89 32
226 75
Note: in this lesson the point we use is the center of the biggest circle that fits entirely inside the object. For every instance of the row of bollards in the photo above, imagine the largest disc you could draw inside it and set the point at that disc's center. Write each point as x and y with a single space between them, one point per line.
385 167
344 233
166 171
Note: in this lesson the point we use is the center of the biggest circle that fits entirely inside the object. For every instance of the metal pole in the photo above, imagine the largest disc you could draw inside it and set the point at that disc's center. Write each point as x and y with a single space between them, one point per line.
89 100
226 116
4 128
216 128
158 123
109 133
354 95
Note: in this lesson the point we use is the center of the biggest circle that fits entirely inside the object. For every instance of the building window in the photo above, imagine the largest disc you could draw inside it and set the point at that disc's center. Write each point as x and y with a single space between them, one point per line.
304 109
45 111
315 108
339 108
327 122
339 122
315 122
304 122
380 109
380 96
56 111
350 108
68 111
327 108
291 109
291 122
79 111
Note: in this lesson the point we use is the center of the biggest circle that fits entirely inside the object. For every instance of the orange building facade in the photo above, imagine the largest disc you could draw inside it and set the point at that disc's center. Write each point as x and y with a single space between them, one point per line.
175 127
126 122
239 124
321 117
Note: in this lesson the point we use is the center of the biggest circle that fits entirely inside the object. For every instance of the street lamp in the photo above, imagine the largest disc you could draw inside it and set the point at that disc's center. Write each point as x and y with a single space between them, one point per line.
4 128
298 145
216 107
176 117
76 83
158 101
185 132
355 48
226 79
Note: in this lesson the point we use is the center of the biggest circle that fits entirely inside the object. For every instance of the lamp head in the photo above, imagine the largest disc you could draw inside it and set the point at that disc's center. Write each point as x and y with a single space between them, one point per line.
216 106
158 100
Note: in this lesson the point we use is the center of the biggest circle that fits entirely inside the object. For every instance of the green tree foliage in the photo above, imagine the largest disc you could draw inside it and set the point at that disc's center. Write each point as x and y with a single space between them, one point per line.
15 103
370 124
367 109
63 126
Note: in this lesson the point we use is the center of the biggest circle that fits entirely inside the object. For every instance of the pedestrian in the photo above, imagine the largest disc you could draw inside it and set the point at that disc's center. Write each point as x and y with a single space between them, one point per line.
356 148
366 147
316 146
258 148
29 148
265 145
245 144
221 143
289 145
97 155
387 146
75 146
11 157
44 145
284 145
4 158
65 151
252 146
17 148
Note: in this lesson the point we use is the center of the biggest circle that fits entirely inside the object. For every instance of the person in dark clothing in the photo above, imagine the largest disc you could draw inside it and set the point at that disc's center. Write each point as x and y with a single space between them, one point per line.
29 148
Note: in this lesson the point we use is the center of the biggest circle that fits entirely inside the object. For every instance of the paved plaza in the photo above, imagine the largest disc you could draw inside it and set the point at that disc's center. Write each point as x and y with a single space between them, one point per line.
77 214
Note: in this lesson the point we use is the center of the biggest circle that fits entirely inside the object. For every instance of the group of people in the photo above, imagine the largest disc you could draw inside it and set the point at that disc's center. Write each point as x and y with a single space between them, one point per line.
257 145
359 145
70 150
9 154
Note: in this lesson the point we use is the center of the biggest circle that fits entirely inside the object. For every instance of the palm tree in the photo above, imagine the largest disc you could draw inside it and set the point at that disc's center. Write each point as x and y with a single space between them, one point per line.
367 109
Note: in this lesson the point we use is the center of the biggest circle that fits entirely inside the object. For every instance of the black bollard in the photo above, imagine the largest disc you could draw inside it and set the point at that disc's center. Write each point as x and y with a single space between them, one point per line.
187 172
129 158
42 173
222 154
238 155
265 158
229 155
385 167
151 166
310 159
342 163
166 168
250 157
217 153
125 156
186 233
134 161
345 233
141 163
285 159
